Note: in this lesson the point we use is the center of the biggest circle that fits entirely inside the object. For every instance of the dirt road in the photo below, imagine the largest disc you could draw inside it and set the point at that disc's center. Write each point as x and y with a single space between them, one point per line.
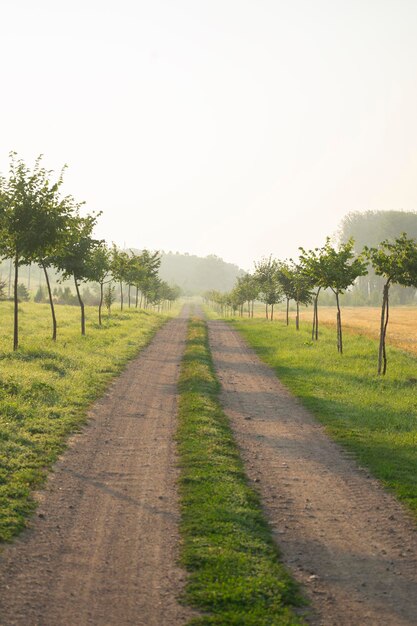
102 548
348 541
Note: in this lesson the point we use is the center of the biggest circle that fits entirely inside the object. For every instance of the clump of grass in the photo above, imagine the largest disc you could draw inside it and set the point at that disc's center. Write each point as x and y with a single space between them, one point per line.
374 417
46 388
235 573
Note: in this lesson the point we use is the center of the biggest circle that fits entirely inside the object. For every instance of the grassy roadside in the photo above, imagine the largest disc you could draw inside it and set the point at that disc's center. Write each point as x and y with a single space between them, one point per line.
235 573
374 417
46 388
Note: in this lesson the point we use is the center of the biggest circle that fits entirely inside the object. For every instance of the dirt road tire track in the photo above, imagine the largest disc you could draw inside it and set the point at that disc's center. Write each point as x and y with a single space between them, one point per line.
350 543
102 548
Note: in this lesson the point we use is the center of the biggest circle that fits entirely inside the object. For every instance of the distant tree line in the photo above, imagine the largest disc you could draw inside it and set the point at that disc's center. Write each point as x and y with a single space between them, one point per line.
332 268
39 225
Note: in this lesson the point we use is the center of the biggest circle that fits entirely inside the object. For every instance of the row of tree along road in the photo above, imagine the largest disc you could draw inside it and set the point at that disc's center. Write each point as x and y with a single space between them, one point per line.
329 267
38 224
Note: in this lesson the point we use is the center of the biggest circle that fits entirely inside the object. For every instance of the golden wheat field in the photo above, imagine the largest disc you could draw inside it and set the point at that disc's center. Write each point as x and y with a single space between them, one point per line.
402 327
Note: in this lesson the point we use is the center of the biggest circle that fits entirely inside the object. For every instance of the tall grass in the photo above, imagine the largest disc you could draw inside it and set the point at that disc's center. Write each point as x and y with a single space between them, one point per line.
46 388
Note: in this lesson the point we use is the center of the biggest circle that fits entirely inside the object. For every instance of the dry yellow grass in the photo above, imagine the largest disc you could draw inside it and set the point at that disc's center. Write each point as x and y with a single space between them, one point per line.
402 327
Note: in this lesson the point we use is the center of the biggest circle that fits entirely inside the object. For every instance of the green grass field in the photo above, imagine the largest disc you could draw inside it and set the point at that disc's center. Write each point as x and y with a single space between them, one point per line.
235 573
374 417
46 388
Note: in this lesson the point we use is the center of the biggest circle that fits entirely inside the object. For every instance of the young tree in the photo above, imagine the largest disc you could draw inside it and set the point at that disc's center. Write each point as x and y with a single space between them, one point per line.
286 280
109 297
302 286
315 267
119 268
100 266
266 272
396 262
340 270
32 218
75 260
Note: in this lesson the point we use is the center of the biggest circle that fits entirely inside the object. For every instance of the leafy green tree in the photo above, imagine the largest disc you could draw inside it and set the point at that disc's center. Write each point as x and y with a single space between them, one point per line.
147 278
315 266
270 290
285 278
75 259
40 295
396 262
23 293
35 220
109 297
340 267
302 289
246 290
100 268
2 289
119 268
369 228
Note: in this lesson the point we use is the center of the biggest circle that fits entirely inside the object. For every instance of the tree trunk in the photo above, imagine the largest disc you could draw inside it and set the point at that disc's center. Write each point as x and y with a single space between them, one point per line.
128 295
266 310
121 296
253 304
288 311
316 304
339 325
382 356
315 330
137 297
248 308
101 304
141 297
16 304
297 317
10 278
51 303
272 312
81 307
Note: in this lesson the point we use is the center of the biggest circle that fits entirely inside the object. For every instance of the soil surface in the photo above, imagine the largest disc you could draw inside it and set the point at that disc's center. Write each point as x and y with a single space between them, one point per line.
102 547
350 543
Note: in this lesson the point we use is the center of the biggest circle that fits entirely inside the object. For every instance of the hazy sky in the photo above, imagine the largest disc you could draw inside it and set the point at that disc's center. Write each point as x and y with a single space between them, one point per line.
234 127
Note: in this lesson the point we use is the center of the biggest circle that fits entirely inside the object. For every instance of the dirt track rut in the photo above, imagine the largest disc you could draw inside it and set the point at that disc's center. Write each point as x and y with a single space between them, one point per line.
102 547
344 538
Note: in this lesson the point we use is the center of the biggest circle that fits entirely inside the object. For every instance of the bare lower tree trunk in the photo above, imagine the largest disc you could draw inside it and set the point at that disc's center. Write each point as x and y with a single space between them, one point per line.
253 304
272 312
137 297
128 295
10 278
51 302
315 330
16 304
248 308
81 307
266 310
297 317
121 296
101 304
288 311
382 356
339 325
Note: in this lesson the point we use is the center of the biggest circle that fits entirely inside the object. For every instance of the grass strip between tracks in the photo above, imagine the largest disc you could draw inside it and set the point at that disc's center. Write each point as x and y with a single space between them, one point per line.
46 388
374 417
235 573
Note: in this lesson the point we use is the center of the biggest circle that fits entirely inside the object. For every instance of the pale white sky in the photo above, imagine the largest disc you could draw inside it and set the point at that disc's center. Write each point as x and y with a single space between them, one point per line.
234 127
